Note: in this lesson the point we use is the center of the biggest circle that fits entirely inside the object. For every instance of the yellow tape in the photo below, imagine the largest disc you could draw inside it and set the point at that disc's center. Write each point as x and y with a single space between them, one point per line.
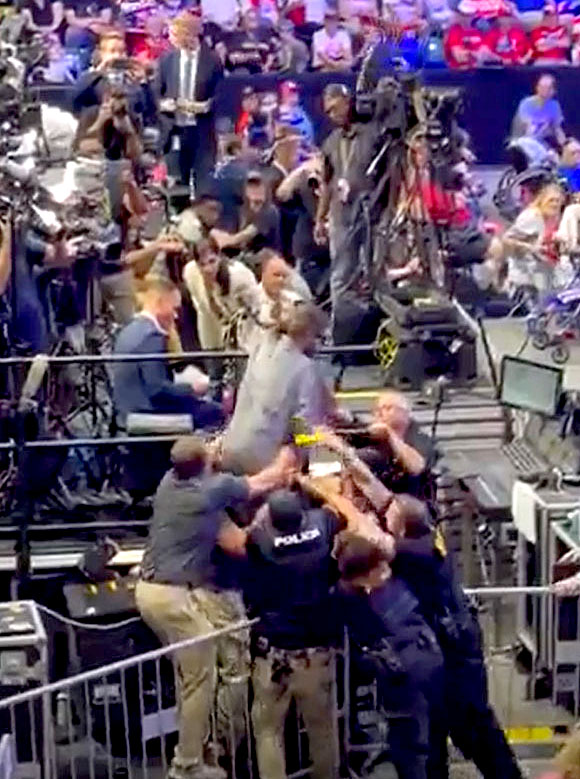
532 734
306 439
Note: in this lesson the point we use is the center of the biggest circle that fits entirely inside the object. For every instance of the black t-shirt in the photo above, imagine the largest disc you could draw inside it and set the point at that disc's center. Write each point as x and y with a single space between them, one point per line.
249 51
267 223
290 576
380 460
42 16
187 517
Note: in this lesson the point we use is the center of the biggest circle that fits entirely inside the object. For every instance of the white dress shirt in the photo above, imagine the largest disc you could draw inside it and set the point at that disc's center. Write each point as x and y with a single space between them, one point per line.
184 56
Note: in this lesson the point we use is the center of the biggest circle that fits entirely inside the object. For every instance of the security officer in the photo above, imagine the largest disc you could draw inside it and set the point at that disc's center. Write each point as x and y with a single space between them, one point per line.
291 572
422 562
386 626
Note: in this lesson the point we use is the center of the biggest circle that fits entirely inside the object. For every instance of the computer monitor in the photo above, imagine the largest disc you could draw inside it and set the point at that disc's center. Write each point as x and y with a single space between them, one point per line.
530 386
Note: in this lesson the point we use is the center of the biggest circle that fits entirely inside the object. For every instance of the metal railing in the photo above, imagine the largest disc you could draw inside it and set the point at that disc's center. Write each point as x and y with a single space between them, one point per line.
120 720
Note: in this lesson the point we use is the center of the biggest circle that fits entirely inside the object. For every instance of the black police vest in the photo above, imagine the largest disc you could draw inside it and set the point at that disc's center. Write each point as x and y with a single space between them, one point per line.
289 581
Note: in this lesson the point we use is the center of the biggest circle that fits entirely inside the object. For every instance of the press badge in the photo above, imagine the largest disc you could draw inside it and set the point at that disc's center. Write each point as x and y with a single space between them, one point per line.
176 143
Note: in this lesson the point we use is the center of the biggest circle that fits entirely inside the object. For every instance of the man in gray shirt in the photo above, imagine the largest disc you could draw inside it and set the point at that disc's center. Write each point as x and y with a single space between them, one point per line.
187 590
281 383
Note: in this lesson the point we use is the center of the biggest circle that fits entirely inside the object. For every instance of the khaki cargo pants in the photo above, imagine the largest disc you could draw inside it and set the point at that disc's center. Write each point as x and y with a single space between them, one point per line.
308 677
177 613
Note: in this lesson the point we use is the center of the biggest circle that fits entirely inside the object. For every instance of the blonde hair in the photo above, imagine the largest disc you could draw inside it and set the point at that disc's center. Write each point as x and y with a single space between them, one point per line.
567 761
545 194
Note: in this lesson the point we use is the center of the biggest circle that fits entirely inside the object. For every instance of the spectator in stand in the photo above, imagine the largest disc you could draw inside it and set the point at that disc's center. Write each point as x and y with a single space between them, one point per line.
331 46
224 13
44 16
508 42
249 111
86 21
230 178
464 44
407 13
291 113
156 44
438 13
575 53
293 56
540 116
252 48
570 164
530 12
354 10
551 40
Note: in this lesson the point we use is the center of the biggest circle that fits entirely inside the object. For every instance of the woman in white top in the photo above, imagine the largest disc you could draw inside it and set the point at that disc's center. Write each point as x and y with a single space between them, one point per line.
224 294
530 242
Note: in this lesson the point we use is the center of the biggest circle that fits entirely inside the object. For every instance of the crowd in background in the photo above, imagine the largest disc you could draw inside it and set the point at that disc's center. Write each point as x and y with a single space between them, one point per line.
262 36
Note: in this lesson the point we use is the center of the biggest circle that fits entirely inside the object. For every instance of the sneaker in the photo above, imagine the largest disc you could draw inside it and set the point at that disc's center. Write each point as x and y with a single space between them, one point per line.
202 771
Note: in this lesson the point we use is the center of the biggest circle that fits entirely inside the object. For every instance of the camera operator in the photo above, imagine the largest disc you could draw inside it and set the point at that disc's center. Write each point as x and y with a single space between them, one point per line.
289 553
113 69
336 198
189 588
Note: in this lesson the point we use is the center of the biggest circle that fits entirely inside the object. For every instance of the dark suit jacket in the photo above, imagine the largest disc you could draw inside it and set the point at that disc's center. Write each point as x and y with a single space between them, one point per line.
146 386
208 76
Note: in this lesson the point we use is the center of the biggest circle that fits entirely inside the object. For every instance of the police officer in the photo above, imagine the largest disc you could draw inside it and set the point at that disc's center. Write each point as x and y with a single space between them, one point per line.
386 626
422 562
290 575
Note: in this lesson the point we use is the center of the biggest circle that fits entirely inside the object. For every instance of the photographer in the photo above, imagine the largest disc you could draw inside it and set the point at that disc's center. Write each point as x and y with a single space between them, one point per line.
113 69
301 189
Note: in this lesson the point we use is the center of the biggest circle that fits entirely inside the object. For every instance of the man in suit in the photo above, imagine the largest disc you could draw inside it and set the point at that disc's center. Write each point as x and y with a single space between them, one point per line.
148 386
187 81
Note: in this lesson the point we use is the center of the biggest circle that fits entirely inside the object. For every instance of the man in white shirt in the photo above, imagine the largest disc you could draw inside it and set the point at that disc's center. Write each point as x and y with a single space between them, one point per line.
280 286
331 46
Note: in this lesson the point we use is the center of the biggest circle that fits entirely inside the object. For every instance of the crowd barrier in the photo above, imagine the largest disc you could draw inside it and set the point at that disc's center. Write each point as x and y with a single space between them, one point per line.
119 720
486 118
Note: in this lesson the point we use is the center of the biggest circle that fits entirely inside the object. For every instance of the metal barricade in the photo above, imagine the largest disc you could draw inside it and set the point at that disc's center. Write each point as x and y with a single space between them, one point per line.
119 721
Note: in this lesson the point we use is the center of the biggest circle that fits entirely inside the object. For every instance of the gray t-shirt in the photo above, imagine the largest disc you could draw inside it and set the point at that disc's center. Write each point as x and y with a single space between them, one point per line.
187 517
280 383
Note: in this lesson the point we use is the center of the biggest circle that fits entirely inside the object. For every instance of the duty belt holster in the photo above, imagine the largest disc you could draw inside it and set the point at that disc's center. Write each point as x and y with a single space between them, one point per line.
384 660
